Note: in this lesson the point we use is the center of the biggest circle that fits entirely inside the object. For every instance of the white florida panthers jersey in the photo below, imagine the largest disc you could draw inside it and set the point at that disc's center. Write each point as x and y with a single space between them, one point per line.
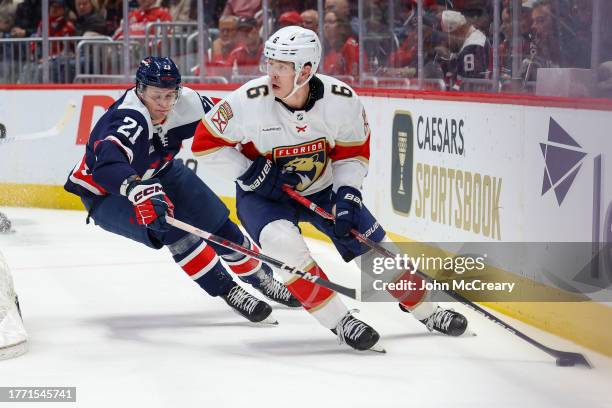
326 142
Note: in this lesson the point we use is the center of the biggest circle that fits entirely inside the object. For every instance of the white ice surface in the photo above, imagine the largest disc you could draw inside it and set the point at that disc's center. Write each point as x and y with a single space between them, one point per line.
125 326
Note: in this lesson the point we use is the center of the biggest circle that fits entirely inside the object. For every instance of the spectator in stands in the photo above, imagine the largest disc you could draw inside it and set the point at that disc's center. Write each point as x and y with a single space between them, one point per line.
226 42
147 12
340 7
289 18
180 9
555 44
341 49
241 8
505 47
403 62
112 11
8 7
6 23
310 20
436 7
471 51
89 21
246 58
478 13
27 17
59 25
581 22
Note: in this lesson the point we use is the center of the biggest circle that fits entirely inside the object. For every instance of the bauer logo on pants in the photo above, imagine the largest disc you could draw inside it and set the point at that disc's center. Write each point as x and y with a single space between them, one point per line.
402 154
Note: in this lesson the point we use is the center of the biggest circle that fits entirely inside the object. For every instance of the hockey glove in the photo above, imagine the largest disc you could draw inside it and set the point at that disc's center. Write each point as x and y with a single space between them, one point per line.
266 179
151 204
348 210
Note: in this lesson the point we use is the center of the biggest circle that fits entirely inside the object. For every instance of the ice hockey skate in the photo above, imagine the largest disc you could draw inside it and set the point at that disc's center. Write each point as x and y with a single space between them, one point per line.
264 281
248 306
357 334
445 321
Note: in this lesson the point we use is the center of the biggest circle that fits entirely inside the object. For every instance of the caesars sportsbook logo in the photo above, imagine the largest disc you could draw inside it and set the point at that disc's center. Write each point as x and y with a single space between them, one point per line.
402 154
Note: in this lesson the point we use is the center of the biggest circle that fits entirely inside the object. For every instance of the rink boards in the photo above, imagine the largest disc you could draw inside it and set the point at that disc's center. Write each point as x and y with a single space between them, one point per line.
476 169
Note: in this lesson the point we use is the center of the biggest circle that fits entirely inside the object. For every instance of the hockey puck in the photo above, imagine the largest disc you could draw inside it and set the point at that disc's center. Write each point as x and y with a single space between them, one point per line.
2 131
565 362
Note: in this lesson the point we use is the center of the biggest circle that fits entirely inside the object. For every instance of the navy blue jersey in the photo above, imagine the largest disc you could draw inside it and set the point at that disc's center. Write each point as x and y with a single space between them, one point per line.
124 142
475 60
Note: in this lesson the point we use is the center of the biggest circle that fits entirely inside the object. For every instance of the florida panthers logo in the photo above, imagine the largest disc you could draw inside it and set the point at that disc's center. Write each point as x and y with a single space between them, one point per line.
307 160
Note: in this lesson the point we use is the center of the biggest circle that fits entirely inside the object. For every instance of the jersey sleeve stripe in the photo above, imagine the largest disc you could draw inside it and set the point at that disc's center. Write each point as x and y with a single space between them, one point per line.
342 151
206 141
128 152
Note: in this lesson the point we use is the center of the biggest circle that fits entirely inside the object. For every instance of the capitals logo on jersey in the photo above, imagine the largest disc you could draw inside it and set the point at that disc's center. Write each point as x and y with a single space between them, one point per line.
307 160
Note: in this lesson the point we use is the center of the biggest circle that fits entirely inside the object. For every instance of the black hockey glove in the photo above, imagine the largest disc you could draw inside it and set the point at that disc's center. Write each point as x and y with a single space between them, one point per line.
266 179
348 210
151 205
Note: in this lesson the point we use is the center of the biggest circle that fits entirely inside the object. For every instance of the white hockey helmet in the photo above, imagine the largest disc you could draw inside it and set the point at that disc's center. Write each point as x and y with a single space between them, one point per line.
298 45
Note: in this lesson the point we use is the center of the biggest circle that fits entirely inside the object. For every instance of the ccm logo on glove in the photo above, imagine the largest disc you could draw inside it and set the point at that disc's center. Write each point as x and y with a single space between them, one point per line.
151 205
141 195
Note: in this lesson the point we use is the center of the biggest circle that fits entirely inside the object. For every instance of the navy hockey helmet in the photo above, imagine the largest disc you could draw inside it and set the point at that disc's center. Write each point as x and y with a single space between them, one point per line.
160 72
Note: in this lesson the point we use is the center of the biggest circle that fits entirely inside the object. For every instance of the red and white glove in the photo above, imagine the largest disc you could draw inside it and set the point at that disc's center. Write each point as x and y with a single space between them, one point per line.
151 205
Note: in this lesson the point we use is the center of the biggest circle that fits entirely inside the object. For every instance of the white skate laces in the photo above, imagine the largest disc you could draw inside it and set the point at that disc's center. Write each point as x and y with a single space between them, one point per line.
242 299
275 289
440 319
350 327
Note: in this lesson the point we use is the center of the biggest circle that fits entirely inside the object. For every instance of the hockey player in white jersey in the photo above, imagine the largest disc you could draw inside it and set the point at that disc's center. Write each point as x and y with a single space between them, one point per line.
310 132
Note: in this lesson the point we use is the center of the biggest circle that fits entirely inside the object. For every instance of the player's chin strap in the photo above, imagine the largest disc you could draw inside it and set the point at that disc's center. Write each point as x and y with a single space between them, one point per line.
296 86
564 358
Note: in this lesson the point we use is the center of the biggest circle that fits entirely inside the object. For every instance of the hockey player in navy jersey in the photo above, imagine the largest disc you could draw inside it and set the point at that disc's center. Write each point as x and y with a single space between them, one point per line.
129 181
310 132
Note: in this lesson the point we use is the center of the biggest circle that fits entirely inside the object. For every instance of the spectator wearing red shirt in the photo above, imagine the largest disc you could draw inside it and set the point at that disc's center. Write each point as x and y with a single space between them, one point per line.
59 25
247 56
341 48
146 13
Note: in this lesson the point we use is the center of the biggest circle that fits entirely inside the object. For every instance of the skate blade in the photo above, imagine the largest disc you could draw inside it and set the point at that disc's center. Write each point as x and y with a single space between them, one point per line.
14 350
268 321
469 333
377 348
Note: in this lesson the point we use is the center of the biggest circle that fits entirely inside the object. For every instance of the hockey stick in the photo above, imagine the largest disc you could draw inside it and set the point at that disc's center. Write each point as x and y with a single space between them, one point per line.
51 132
563 358
317 280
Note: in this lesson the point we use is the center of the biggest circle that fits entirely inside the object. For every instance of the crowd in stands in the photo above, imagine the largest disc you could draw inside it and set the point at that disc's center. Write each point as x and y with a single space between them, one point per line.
457 34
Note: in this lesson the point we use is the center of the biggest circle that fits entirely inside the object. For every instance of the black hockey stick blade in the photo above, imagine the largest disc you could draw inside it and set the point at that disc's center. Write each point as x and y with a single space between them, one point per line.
569 359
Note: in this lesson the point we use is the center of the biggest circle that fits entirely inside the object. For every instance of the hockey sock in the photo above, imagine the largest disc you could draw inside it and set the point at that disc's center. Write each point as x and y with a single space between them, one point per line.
200 261
242 265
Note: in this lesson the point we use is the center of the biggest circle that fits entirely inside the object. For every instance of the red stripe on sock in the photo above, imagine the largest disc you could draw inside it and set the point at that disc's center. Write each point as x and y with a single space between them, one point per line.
200 261
309 294
249 266
409 298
